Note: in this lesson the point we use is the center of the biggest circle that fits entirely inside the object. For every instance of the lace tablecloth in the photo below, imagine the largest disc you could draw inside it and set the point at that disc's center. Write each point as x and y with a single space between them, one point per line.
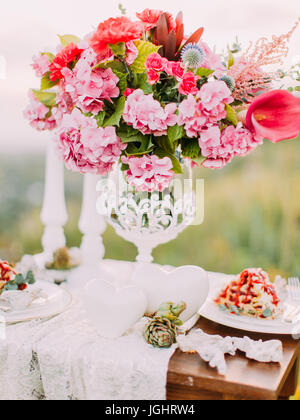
64 358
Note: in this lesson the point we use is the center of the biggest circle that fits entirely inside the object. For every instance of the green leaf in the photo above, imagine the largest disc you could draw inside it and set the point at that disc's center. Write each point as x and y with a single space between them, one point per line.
145 48
118 49
202 72
30 279
46 98
190 148
139 145
161 153
100 117
47 83
231 115
176 132
230 59
141 82
267 313
165 143
115 65
122 84
68 39
10 286
117 115
19 279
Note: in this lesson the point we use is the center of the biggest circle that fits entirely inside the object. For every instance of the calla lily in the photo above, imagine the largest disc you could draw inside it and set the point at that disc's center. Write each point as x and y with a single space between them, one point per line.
275 116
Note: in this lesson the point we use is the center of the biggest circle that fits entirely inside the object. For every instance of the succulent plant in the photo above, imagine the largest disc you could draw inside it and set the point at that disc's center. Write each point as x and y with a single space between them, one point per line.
160 332
171 312
61 260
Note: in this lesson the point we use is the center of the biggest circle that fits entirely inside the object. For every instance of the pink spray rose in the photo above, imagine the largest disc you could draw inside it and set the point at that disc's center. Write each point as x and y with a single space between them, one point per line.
188 84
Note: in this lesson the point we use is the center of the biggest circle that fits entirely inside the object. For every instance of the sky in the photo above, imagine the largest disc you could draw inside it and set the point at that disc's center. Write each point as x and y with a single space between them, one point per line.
27 27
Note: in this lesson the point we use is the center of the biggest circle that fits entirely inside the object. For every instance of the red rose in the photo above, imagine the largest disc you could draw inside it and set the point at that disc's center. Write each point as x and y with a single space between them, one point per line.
155 62
62 60
115 30
128 92
177 70
150 18
188 84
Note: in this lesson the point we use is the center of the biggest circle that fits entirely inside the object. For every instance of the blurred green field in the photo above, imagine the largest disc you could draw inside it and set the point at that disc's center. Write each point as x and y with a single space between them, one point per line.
252 214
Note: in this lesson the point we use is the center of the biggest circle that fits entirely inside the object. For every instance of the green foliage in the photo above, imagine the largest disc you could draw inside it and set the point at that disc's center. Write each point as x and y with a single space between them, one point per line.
161 153
230 59
176 133
118 49
122 84
115 65
47 83
68 39
145 48
190 148
231 115
141 82
202 72
46 98
115 118
100 117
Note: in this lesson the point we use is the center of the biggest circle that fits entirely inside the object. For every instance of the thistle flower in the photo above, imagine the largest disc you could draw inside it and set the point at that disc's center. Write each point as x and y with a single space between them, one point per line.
193 56
230 82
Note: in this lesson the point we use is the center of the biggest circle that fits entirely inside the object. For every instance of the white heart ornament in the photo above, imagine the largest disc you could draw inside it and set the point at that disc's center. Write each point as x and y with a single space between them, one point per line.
113 311
189 284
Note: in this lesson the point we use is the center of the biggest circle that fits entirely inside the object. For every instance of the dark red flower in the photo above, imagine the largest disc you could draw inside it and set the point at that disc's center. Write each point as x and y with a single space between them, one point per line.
275 116
63 59
115 30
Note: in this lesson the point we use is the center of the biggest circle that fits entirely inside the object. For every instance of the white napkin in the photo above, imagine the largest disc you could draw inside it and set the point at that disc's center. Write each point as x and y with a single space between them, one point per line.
212 348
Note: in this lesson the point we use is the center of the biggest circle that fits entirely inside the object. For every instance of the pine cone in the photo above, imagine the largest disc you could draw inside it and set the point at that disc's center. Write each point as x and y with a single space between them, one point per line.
160 332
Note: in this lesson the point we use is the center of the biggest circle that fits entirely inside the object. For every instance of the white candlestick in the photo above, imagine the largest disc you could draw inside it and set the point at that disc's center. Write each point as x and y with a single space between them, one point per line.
54 213
91 224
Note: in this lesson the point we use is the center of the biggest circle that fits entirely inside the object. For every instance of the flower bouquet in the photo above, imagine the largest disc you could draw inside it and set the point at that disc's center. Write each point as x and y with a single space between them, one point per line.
142 96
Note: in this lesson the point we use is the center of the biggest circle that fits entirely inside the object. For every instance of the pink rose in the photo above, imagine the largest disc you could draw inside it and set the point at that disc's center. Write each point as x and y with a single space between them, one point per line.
155 62
188 84
177 70
153 77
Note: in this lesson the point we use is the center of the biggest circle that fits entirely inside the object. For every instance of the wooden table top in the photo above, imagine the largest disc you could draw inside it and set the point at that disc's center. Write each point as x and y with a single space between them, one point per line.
191 378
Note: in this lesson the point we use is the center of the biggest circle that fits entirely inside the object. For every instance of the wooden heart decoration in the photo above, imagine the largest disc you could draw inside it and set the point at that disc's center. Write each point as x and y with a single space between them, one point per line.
113 311
189 284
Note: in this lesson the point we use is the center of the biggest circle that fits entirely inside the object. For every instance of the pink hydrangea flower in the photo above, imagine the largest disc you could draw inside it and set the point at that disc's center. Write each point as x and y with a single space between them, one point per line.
149 173
220 148
41 64
214 93
131 52
192 116
39 115
87 87
147 115
85 147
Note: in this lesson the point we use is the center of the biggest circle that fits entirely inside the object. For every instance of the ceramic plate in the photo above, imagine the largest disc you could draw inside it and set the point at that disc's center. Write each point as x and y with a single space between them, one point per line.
58 300
211 312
